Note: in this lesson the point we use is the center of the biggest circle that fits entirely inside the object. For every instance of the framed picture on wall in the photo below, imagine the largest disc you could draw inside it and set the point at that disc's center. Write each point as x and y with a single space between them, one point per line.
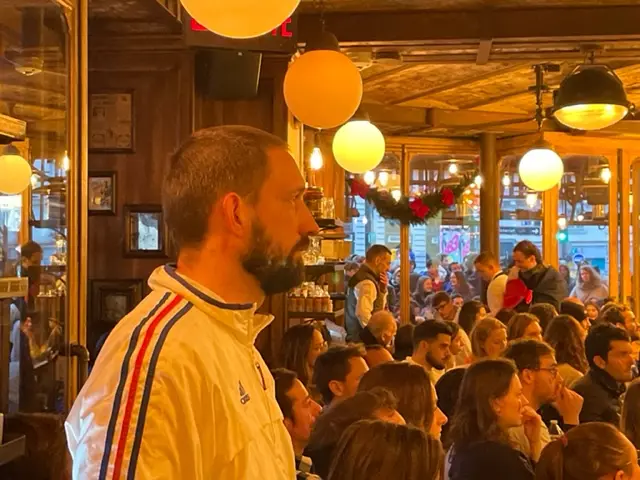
102 193
111 122
145 233
113 299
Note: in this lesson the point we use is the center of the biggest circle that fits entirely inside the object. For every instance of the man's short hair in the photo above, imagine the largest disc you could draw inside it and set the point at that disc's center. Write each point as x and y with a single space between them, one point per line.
375 251
334 365
284 380
379 321
528 249
598 341
30 248
211 163
486 258
613 314
526 353
440 297
429 330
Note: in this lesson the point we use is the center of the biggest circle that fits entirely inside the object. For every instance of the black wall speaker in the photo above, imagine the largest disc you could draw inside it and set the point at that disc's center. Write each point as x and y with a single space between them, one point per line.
227 74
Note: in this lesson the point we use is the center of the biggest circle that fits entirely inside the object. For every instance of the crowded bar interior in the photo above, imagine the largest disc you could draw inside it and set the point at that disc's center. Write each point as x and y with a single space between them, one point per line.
463 237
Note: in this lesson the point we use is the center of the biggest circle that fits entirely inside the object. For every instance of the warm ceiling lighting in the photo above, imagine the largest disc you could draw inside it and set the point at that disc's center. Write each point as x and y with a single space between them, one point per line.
478 180
562 222
531 199
506 180
358 146
396 194
605 174
369 177
383 178
453 168
541 168
16 171
315 161
592 97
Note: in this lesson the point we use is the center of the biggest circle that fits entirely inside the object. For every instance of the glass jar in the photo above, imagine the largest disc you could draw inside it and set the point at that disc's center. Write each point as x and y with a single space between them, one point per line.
313 200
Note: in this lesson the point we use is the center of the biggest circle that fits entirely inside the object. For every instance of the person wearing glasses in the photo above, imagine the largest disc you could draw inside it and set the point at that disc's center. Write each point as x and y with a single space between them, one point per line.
444 308
541 385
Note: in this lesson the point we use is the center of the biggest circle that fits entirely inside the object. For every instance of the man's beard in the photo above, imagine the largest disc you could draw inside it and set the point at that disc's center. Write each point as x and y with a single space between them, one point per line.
434 363
276 272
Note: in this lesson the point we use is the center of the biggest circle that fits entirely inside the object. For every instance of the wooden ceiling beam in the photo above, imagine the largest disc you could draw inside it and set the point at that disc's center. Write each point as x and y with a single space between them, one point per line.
387 73
458 83
592 23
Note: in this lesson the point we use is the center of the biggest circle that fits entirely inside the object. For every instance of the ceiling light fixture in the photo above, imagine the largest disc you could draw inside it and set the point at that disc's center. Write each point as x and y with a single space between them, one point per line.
592 97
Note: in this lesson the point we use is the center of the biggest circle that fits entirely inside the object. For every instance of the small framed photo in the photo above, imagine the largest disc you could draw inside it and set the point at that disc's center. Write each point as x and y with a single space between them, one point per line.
111 300
111 122
102 193
145 231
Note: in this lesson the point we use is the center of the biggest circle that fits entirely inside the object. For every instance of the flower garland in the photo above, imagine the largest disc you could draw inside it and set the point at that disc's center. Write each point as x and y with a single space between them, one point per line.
414 209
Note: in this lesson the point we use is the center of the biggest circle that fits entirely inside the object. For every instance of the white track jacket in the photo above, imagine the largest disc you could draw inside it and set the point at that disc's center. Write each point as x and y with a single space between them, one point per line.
180 392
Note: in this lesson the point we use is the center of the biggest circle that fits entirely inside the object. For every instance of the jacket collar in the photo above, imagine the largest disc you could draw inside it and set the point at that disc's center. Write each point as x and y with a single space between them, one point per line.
240 318
606 381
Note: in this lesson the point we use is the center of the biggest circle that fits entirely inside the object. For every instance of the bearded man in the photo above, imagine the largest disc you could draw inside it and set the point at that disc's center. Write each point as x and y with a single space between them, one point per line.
179 390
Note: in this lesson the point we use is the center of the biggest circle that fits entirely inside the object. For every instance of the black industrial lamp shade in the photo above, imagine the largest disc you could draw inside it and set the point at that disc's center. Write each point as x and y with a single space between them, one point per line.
592 97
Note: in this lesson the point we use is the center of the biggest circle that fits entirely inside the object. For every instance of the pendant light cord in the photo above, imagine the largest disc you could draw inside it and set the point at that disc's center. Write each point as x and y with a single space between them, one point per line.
539 87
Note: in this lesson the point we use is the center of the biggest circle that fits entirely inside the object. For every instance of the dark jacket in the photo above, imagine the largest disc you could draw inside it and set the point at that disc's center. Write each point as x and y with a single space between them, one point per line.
546 283
352 323
368 339
488 460
601 395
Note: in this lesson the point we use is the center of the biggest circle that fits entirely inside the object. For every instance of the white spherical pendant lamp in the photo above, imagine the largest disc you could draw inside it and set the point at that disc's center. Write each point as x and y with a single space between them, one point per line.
16 172
541 168
358 146
240 18
323 87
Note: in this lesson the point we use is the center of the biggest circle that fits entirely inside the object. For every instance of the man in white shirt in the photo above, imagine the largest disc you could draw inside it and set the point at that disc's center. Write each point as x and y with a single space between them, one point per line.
431 348
367 291
488 267
179 390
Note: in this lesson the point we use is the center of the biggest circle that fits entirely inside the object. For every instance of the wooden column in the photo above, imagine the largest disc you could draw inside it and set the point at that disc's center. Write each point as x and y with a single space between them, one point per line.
635 222
624 167
614 276
404 245
489 195
550 200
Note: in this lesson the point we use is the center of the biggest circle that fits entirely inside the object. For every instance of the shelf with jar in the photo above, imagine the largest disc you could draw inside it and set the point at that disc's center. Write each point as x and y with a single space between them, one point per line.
311 300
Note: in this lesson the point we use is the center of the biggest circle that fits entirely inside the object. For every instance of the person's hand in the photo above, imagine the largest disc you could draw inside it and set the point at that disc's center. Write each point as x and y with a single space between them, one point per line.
384 280
569 404
532 424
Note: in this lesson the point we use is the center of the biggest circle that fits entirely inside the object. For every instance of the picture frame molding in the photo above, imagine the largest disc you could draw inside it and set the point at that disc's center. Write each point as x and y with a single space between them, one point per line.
114 181
123 91
134 288
144 208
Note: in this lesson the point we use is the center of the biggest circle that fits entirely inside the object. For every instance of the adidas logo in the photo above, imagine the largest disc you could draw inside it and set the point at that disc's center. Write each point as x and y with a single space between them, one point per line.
244 396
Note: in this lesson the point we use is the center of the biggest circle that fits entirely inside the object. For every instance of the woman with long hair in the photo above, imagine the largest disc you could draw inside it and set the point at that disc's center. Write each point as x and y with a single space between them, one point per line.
301 346
490 403
458 285
470 313
566 336
590 451
411 386
630 420
423 292
375 450
524 325
592 309
589 285
565 273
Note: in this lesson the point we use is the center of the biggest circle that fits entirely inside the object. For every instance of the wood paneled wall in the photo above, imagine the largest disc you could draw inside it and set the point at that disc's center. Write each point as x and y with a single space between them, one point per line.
162 83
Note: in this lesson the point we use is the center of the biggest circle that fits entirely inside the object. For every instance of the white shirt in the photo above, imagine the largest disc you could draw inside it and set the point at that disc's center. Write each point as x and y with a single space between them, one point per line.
366 294
495 292
180 392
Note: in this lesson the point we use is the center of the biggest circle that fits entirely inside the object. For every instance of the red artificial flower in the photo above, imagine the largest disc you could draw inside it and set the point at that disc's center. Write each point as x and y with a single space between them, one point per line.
418 208
359 188
447 197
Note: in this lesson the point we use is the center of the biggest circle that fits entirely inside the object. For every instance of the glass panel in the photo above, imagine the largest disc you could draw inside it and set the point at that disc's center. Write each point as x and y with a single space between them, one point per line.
446 243
33 230
584 207
520 211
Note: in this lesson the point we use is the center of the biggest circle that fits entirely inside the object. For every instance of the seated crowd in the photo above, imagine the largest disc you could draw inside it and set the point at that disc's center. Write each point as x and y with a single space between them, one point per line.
521 382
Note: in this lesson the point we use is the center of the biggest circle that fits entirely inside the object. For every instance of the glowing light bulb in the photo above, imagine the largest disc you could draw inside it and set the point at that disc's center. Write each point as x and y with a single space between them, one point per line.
396 194
316 161
383 178
580 217
506 181
478 180
66 162
605 174
562 223
453 168
531 199
369 177
34 180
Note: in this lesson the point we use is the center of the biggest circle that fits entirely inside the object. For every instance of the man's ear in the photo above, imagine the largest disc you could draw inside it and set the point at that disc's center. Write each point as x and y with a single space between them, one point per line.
527 376
288 424
235 213
600 362
337 388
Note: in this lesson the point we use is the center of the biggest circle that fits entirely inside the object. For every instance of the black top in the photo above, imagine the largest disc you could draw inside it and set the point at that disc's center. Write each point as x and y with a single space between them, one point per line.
489 460
601 395
546 283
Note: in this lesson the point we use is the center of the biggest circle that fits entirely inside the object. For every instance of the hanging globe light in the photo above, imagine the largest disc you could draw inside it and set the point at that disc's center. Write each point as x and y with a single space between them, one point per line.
358 146
16 171
323 87
240 18
541 168
592 97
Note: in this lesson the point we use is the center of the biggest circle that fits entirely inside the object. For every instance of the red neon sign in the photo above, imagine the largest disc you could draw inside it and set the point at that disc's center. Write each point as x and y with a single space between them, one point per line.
281 31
